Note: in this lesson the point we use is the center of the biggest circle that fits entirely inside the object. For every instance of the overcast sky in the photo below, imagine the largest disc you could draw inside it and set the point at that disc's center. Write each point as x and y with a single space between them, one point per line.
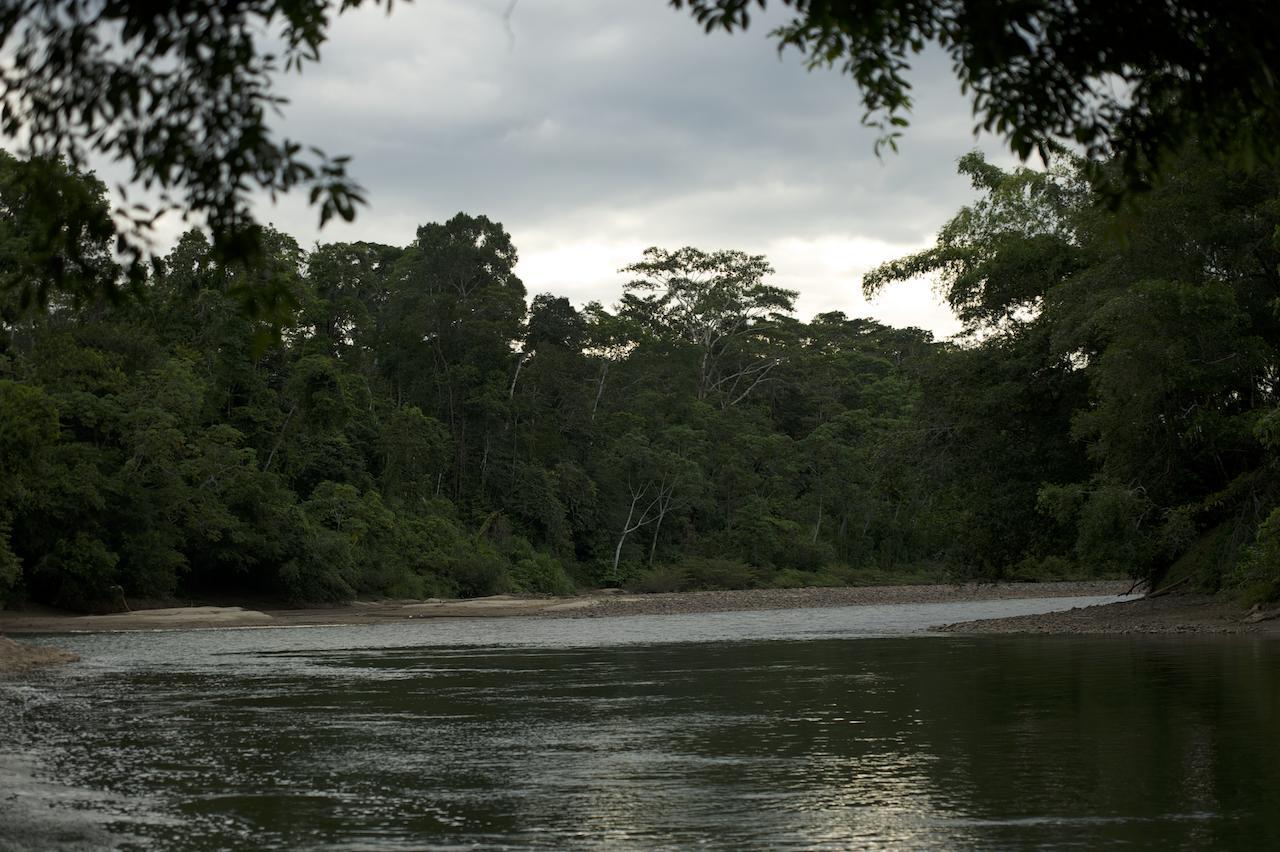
595 128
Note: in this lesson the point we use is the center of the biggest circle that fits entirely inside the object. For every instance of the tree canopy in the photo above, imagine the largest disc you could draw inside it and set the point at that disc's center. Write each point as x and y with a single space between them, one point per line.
1129 83
419 427
181 92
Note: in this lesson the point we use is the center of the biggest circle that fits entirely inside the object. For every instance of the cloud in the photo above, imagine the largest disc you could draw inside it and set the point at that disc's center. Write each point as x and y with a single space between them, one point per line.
595 128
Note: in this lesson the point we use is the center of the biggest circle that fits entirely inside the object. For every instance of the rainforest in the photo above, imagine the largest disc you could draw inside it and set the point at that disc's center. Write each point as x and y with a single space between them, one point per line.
322 423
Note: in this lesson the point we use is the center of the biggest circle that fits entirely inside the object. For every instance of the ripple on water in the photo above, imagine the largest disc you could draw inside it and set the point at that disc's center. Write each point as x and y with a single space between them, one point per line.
360 739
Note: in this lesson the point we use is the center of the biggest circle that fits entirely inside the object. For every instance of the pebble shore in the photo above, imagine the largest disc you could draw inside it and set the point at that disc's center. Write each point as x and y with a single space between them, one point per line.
760 599
1167 615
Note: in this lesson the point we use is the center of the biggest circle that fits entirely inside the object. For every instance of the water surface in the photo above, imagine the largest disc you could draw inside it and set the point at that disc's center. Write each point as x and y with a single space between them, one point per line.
790 729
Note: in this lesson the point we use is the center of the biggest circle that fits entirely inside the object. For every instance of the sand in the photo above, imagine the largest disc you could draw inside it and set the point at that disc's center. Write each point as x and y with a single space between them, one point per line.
1166 614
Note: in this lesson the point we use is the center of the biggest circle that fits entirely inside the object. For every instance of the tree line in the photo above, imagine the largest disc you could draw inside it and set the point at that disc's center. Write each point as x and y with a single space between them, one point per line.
405 421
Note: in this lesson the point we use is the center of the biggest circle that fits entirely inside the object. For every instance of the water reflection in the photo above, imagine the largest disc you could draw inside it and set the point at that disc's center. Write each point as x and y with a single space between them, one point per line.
839 743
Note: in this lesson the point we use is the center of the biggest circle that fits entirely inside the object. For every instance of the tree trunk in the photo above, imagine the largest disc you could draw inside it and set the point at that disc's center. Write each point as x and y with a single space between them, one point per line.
657 528
279 438
519 363
617 555
604 371
626 529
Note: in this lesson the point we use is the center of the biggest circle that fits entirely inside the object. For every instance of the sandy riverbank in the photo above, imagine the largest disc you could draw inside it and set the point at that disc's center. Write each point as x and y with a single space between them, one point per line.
592 605
1167 614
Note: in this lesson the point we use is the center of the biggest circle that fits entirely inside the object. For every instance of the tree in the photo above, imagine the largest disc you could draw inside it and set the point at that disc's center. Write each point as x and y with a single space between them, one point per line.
1129 83
718 304
351 285
455 312
997 258
181 93
1123 381
55 234
415 454
28 427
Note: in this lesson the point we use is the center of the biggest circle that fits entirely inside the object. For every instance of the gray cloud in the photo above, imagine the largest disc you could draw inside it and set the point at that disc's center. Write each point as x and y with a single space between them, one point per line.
593 128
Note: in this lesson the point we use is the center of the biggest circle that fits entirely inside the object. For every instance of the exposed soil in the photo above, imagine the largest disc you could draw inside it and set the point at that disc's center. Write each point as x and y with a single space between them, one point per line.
1172 613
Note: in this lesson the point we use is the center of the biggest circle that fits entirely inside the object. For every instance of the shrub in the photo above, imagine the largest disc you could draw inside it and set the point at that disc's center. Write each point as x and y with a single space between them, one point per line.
79 574
477 573
698 574
714 573
10 567
790 578
539 573
802 555
1257 573
659 580
318 574
1047 568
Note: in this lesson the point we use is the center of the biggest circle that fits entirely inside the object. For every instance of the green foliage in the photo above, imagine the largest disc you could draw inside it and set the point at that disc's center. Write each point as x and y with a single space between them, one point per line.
476 573
699 574
1129 82
183 95
660 580
1258 573
79 573
28 428
416 429
10 565
55 233
537 573
415 454
1126 383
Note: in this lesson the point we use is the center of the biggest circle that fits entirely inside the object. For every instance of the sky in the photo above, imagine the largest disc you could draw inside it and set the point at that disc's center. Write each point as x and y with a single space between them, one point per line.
593 129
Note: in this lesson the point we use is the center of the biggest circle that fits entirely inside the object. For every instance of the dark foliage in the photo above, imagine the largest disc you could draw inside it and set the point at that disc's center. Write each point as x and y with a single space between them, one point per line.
418 429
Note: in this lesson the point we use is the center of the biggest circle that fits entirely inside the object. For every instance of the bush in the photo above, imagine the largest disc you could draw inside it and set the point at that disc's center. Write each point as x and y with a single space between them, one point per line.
698 574
801 555
1046 569
408 587
1257 573
10 567
539 573
659 580
79 574
720 574
477 573
320 572
790 578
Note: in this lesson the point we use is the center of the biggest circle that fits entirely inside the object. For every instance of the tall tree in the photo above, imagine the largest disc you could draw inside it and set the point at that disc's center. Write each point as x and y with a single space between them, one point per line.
716 303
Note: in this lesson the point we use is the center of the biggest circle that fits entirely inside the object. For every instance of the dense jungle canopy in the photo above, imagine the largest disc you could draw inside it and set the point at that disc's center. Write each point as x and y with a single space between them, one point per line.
420 426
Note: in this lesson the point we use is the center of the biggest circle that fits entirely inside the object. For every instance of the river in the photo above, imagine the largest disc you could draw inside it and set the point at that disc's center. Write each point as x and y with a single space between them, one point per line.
806 729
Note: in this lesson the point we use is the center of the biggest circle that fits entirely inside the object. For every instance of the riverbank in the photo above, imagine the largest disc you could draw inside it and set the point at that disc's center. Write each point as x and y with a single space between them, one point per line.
1167 614
1162 614
674 603
599 604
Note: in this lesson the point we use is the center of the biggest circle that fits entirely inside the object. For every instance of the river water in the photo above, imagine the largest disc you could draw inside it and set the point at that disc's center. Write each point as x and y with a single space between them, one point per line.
839 728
